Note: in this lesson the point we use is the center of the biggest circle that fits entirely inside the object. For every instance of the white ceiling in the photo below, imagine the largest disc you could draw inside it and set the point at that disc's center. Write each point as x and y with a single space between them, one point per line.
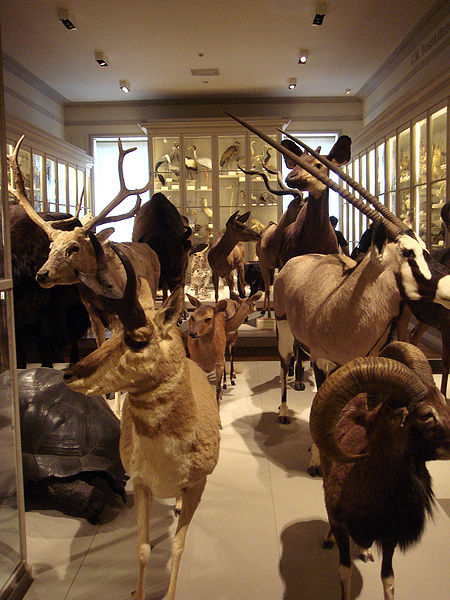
254 43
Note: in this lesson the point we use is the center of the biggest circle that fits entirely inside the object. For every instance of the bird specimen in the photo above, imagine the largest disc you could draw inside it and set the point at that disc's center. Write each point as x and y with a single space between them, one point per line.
230 153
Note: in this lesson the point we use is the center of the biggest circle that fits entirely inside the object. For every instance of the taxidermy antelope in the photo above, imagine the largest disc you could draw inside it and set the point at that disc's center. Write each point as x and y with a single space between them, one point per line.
271 237
73 259
226 254
340 310
377 421
169 439
212 330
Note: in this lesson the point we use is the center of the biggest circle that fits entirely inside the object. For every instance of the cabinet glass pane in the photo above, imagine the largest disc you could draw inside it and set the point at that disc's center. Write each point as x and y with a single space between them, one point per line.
166 167
199 162
405 211
231 150
438 139
420 151
72 189
404 161
364 183
392 202
50 171
371 172
62 187
38 181
231 179
87 204
380 170
438 197
391 164
420 199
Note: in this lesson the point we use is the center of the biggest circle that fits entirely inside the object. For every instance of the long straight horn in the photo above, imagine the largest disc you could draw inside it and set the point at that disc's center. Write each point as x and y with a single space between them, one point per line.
392 229
20 194
355 184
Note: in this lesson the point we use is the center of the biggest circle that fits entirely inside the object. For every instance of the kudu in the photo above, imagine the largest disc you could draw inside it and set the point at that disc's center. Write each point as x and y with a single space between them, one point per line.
227 253
340 310
73 259
213 330
169 439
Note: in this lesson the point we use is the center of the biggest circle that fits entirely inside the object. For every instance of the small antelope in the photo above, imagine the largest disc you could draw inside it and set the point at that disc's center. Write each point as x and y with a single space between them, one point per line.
169 439
227 253
213 329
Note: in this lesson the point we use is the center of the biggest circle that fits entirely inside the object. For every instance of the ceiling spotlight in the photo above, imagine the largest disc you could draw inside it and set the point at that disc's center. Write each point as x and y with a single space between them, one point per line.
348 91
63 16
101 58
125 86
292 83
321 11
303 57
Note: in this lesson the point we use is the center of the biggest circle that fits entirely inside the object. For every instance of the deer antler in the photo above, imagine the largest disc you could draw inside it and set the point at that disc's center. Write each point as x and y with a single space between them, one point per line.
124 192
20 193
392 228
62 224
355 185
128 215
284 192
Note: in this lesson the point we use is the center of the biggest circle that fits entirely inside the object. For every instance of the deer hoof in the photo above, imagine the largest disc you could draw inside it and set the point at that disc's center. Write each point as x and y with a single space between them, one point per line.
233 382
314 471
299 386
224 387
284 420
327 544
366 555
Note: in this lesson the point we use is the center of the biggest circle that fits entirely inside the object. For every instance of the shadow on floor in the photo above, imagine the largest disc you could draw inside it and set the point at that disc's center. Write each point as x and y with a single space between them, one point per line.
309 572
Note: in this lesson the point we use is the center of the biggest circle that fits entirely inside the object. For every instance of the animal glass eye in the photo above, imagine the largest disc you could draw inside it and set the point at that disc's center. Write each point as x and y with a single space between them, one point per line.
208 319
72 249
408 253
318 165
427 417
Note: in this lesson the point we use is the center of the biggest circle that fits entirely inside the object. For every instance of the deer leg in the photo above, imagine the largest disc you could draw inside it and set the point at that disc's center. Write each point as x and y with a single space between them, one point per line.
266 277
241 280
191 499
417 333
285 341
143 503
232 373
215 279
230 282
219 371
387 573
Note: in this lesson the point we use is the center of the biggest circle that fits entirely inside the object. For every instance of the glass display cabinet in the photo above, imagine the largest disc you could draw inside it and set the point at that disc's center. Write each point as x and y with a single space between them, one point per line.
410 167
15 576
211 187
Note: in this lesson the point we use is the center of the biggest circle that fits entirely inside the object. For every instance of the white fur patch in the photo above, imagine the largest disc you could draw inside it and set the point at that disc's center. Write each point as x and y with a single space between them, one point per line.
443 292
406 242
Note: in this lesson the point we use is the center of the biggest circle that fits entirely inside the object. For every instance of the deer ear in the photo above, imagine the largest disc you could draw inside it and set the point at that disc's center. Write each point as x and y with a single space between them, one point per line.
104 234
198 248
234 296
221 306
254 298
194 301
145 295
244 217
233 216
170 311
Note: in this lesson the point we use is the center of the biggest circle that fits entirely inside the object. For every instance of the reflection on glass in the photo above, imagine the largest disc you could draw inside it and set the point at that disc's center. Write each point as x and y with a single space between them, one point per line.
80 186
391 152
380 170
9 521
438 139
421 212
38 182
438 198
405 210
420 151
404 162
87 204
62 187
50 172
371 172
72 189
392 202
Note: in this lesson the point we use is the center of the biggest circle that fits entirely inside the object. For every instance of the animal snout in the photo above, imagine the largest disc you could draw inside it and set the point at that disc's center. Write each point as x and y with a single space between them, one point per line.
193 334
42 276
68 376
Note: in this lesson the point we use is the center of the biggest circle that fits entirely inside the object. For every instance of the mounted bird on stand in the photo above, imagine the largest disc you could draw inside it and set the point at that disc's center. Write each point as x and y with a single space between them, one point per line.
229 154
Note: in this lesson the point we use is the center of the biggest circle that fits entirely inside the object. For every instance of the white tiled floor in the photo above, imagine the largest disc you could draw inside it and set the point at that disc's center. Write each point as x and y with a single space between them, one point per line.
256 535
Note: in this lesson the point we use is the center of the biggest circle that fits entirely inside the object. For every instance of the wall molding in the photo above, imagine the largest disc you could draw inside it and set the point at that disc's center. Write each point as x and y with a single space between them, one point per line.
33 105
36 82
431 20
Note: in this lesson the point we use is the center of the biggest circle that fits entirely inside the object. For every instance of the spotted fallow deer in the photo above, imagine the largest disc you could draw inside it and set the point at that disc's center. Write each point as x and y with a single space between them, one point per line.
340 310
213 330
226 253
169 440
73 259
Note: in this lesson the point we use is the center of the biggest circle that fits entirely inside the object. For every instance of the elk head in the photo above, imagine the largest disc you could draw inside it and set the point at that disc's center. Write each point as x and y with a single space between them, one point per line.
71 252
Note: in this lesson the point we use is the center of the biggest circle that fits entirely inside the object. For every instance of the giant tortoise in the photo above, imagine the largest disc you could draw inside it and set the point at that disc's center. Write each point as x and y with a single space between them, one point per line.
70 444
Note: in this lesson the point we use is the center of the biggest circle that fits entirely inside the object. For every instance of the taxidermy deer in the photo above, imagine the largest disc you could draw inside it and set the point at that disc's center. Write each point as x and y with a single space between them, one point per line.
169 440
226 254
340 310
73 259
212 330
